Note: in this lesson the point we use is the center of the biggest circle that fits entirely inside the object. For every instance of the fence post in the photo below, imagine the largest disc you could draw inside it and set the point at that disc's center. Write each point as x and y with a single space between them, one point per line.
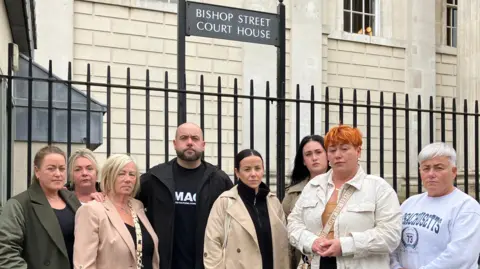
9 120
281 62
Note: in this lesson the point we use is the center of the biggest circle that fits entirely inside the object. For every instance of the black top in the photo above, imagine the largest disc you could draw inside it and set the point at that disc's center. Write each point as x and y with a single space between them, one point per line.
157 193
256 205
186 183
147 245
66 219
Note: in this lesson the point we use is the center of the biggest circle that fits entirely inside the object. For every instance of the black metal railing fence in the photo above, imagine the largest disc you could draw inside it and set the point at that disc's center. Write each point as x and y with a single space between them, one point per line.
390 149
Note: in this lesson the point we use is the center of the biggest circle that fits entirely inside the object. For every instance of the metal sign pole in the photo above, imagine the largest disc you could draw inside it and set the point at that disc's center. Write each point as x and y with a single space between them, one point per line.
181 83
281 74
10 121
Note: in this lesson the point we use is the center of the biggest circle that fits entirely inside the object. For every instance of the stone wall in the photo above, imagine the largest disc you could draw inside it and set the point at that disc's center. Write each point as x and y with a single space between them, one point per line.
362 66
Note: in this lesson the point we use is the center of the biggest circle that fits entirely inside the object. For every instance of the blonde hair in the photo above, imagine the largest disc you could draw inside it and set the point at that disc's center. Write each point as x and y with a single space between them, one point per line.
110 170
40 156
85 153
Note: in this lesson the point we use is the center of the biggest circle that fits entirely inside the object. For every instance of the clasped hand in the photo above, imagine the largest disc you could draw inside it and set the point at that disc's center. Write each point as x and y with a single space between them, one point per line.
327 247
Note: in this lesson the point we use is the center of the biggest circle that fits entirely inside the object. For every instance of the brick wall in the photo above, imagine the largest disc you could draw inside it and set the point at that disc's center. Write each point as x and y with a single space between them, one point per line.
142 39
446 66
361 66
127 37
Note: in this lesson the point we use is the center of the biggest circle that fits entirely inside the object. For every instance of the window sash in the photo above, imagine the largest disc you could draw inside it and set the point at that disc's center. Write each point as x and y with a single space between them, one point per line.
351 13
451 23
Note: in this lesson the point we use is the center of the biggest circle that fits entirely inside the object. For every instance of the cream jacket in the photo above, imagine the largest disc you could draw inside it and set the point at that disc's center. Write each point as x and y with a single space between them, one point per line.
242 250
369 226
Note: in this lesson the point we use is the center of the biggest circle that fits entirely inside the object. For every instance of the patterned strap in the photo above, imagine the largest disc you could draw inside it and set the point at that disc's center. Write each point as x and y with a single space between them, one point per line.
331 220
138 232
306 260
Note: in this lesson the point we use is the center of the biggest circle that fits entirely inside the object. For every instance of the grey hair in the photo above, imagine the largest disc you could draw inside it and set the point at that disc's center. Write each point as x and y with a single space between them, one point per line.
438 149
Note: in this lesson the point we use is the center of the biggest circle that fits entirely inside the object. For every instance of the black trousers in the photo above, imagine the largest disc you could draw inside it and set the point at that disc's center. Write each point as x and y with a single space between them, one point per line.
328 263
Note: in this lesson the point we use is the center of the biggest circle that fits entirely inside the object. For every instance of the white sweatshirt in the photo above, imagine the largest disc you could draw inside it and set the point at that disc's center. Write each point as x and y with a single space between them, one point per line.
439 233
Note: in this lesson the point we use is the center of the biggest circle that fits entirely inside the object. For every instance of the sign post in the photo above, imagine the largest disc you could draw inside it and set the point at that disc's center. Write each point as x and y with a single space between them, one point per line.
281 74
181 83
215 21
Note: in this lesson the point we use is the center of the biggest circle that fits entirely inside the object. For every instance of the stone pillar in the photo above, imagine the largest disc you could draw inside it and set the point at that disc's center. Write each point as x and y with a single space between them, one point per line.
420 70
306 65
468 69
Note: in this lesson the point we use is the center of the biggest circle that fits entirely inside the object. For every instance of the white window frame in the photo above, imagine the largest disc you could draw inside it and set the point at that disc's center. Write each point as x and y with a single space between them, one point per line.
376 27
447 28
160 5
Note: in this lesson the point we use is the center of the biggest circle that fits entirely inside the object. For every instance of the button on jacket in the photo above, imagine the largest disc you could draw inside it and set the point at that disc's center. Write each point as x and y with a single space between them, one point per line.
369 225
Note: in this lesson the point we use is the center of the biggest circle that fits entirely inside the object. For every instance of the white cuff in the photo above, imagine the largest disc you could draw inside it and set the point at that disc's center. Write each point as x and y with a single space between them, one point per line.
348 246
307 248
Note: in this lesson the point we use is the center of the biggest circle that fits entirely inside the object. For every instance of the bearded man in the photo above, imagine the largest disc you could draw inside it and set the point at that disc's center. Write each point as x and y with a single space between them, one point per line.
178 196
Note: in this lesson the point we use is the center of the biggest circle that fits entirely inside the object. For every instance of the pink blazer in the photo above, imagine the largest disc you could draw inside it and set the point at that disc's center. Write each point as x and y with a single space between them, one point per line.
102 241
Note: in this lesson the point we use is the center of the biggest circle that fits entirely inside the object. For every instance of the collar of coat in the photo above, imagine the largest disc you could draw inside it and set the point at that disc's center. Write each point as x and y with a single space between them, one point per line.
324 179
239 212
119 224
47 216
297 187
248 193
233 193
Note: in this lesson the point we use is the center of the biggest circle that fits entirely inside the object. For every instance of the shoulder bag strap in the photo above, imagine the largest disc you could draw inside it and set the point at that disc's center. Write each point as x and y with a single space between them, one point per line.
343 201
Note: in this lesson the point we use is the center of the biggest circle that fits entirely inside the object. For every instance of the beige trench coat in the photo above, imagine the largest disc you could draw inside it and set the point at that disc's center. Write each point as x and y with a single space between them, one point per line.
369 226
288 203
242 250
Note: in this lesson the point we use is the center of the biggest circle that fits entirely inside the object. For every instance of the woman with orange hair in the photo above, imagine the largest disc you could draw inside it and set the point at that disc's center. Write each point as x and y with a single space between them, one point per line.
345 218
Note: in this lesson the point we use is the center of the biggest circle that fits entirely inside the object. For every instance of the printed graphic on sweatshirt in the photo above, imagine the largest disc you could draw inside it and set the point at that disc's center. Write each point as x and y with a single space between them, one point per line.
410 237
185 198
430 222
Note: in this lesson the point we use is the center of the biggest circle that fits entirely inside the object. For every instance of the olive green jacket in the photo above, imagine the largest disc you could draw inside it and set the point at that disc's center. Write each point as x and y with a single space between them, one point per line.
30 235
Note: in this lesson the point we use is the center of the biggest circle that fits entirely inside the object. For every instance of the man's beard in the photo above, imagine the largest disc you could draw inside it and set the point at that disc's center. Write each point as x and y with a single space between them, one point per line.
188 158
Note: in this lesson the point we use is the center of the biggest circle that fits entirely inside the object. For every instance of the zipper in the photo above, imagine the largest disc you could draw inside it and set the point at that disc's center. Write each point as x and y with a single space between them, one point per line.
173 230
256 211
172 196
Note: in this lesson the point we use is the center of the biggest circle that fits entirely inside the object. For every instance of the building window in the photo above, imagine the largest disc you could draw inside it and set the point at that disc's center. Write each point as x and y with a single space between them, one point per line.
359 16
452 23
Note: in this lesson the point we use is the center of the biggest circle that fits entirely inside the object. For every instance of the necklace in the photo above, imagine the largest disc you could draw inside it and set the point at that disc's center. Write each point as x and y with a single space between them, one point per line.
125 209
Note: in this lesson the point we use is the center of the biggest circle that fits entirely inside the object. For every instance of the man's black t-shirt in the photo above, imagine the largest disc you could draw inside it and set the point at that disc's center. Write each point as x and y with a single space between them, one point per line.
186 183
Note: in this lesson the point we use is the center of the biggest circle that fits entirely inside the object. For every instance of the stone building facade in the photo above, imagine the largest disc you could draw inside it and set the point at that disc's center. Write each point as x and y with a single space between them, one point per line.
426 48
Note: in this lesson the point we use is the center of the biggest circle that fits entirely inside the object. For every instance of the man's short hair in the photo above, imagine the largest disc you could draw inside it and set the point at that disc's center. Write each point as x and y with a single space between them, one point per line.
438 149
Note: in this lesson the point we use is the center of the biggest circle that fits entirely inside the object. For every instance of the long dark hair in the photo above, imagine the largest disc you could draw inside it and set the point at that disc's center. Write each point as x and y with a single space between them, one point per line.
300 171
244 154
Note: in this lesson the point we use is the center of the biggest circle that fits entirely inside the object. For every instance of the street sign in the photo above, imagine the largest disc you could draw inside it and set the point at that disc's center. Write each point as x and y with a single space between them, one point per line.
222 22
